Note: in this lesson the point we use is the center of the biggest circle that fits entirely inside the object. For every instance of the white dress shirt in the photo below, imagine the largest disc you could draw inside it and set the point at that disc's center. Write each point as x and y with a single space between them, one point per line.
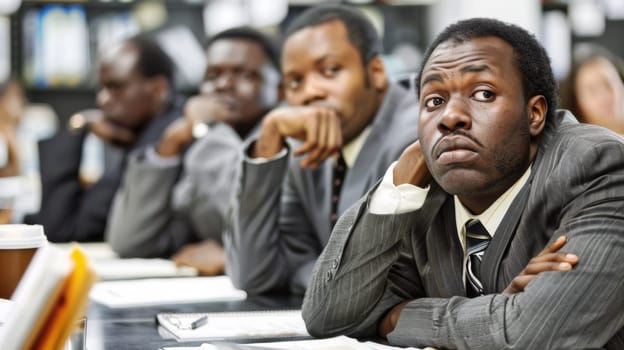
390 199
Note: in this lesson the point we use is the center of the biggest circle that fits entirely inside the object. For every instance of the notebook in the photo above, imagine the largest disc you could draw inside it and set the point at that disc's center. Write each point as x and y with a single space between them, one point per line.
239 325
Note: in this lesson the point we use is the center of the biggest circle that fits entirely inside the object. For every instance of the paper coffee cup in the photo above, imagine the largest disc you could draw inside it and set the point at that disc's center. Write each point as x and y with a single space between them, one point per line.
18 244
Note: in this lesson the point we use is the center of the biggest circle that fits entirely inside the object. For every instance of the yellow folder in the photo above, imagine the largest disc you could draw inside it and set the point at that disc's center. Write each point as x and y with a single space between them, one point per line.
69 306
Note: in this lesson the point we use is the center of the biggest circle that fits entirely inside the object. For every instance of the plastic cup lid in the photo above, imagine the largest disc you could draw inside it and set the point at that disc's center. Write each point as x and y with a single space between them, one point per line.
19 236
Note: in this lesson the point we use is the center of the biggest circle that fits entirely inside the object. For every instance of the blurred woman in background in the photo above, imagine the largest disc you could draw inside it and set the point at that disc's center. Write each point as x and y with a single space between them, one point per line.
594 90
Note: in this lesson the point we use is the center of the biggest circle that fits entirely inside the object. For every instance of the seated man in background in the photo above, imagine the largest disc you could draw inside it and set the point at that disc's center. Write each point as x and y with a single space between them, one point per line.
174 204
349 123
136 102
426 265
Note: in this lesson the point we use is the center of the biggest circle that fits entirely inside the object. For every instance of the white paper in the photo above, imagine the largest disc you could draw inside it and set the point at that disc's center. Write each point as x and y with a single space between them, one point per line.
235 325
336 343
120 269
159 291
109 267
93 250
5 309
41 283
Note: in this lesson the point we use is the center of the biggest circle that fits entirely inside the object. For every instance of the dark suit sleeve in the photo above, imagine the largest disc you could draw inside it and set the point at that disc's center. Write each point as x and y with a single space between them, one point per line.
142 222
351 286
68 212
253 241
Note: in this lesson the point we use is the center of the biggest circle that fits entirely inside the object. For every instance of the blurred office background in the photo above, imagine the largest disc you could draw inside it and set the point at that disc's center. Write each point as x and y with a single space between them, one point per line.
52 46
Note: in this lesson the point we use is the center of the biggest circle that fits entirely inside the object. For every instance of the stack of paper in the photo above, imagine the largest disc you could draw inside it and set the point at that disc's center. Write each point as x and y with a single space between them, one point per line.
234 325
159 291
50 298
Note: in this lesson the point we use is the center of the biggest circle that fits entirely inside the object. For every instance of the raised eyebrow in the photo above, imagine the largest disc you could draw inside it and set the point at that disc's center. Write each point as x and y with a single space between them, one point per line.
475 69
430 78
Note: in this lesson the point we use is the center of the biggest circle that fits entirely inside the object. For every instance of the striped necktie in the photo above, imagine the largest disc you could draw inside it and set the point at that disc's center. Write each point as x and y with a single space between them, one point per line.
477 241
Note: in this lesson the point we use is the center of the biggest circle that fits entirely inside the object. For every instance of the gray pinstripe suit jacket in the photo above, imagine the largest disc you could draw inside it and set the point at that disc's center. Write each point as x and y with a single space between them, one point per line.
576 188
280 219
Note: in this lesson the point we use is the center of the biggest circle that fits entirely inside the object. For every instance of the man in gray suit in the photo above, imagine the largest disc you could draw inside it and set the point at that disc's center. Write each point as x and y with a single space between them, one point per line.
175 202
340 102
504 160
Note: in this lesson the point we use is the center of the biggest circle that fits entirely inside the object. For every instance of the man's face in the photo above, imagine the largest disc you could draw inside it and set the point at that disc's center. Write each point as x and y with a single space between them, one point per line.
240 75
125 96
320 67
474 125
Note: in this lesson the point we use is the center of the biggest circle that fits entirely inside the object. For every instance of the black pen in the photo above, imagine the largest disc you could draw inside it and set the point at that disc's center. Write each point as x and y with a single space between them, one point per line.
199 322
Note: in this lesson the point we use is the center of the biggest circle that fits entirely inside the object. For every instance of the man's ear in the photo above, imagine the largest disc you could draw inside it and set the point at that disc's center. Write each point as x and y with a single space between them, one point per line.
159 87
537 108
377 74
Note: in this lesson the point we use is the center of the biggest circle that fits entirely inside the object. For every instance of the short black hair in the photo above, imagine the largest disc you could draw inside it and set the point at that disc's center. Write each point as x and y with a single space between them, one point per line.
153 60
531 57
249 33
360 30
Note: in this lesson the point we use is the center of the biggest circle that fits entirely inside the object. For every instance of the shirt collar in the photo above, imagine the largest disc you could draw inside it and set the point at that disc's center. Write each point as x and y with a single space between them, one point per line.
351 150
492 216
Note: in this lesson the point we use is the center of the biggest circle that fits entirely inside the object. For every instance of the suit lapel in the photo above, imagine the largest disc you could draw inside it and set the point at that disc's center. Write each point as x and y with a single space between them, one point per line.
360 177
493 257
445 253
368 161
490 267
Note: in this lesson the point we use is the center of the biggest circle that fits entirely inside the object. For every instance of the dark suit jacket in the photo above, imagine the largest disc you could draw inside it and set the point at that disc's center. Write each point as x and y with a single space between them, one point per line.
70 212
281 215
576 188
191 202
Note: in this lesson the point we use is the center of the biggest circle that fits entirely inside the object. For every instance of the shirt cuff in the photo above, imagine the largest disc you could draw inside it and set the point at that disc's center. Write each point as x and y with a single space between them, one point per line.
152 157
390 199
262 160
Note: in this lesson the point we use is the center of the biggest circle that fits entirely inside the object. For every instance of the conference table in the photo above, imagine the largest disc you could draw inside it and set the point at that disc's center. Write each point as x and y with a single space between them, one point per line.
136 328
129 328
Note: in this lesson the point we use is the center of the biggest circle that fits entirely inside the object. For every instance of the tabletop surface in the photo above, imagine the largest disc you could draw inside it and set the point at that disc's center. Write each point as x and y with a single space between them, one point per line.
136 328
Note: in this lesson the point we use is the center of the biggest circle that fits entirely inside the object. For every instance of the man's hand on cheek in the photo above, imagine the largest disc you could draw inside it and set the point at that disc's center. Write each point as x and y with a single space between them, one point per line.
98 124
319 128
412 168
207 109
